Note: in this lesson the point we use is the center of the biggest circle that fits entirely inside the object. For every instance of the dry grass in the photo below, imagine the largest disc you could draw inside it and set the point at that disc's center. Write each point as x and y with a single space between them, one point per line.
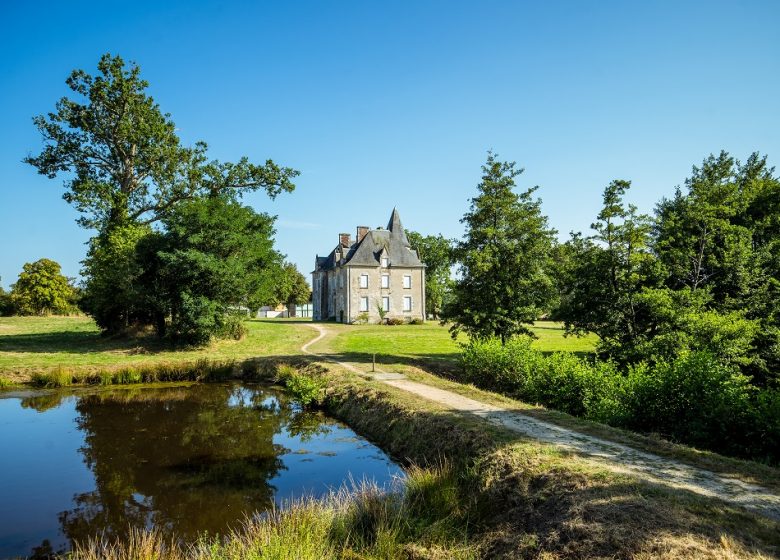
360 522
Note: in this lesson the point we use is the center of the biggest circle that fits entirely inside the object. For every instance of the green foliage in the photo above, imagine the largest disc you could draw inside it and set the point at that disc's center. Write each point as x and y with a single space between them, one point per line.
436 252
503 259
605 274
722 235
112 295
693 398
7 307
306 389
213 256
122 176
122 156
361 318
41 289
394 321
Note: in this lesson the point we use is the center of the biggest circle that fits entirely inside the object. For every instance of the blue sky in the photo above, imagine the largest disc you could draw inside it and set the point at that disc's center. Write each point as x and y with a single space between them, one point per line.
383 104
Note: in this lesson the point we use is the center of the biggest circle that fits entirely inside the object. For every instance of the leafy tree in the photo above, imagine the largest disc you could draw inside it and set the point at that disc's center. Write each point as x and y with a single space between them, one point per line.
123 159
6 304
436 252
504 283
300 292
721 235
42 289
125 169
112 295
606 274
211 258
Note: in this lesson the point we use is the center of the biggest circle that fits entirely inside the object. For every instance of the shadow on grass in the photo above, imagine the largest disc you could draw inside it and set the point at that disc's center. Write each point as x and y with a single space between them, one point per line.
80 343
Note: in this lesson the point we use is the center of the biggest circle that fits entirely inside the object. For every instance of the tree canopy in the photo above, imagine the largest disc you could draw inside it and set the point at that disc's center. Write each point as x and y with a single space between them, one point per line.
42 289
122 158
174 248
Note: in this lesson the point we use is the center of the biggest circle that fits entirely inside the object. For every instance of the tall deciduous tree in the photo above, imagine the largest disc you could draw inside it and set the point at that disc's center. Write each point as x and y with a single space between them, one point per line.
122 157
436 252
504 283
42 289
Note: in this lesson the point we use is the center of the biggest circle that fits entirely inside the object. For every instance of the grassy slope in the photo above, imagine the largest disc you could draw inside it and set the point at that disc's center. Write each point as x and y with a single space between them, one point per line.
425 352
527 499
30 344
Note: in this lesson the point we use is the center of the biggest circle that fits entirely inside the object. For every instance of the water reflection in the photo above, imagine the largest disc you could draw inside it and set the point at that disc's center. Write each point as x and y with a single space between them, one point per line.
189 460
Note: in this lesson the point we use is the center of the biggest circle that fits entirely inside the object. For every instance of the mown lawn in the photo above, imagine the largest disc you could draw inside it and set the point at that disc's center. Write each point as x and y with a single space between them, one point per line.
29 344
431 343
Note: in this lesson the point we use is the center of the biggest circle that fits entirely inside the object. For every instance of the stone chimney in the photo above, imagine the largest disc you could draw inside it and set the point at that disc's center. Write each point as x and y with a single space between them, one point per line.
345 239
361 233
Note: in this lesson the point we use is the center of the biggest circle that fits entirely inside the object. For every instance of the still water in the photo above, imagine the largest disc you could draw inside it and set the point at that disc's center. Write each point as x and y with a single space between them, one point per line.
188 460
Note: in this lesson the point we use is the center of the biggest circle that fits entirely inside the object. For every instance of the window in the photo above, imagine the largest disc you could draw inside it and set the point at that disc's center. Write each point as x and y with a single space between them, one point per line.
385 262
386 303
407 303
363 304
385 280
407 282
364 282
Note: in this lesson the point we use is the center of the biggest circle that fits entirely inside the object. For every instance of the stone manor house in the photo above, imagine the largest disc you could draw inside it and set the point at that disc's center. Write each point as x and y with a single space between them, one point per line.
378 269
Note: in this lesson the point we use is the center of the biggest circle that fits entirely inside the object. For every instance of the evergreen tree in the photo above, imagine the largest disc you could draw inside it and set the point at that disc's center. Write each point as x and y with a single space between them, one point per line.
504 283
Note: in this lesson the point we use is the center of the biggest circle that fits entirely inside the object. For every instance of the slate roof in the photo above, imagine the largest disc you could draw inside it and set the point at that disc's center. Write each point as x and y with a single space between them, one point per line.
368 251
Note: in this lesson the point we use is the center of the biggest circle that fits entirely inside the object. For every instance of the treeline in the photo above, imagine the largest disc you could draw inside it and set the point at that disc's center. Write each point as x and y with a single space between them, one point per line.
174 249
684 301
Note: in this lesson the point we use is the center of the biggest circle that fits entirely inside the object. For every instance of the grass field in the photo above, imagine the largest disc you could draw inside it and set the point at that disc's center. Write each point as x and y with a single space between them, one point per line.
430 344
30 344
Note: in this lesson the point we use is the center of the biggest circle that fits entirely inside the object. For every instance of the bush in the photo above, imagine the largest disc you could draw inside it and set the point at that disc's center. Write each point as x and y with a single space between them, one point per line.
361 319
305 389
695 398
394 321
416 321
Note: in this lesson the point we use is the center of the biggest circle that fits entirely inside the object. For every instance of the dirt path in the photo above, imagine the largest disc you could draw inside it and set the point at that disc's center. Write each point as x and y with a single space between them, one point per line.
615 456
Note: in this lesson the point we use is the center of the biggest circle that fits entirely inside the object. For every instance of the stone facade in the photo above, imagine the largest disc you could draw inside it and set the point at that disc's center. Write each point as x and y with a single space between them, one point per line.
378 269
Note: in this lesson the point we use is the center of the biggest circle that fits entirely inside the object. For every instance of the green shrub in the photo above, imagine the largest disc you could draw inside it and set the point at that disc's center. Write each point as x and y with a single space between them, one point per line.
416 321
305 389
695 399
394 321
361 319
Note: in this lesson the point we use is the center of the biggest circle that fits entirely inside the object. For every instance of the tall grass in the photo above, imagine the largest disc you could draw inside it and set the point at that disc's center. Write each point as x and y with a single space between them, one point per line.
200 370
422 520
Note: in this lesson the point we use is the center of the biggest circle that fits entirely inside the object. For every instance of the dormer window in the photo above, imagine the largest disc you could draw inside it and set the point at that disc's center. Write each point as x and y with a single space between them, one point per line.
385 262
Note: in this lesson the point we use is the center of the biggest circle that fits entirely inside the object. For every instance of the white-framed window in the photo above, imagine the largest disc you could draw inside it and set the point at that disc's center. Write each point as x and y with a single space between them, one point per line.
385 262
386 303
385 280
364 304
407 281
364 281
407 303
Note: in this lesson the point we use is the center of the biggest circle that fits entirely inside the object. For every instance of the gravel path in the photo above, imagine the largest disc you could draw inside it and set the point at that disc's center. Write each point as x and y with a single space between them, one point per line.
615 456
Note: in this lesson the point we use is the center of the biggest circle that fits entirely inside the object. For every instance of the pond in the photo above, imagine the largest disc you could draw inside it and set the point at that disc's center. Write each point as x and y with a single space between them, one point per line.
185 459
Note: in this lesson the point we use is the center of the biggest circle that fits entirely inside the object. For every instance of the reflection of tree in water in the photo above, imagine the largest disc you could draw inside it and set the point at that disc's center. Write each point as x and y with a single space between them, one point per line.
187 465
